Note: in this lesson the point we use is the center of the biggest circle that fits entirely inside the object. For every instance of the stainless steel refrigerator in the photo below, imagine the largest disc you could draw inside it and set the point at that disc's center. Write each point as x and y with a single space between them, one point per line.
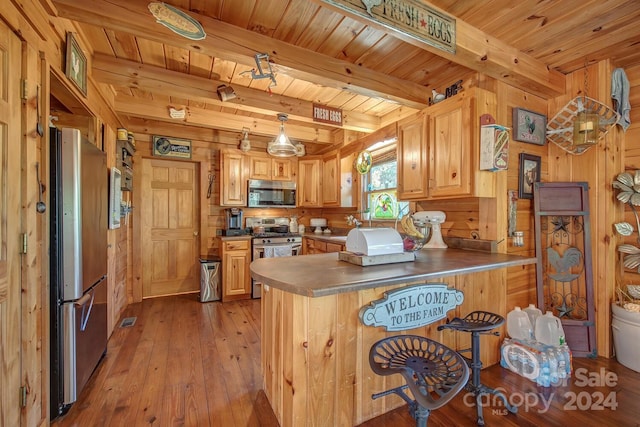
78 270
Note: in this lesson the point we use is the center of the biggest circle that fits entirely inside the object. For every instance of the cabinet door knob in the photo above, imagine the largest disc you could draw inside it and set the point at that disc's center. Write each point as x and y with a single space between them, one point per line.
195 233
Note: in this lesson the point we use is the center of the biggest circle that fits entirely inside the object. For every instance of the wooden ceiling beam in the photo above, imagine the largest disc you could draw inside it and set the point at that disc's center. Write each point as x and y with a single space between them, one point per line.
240 45
475 50
156 110
131 74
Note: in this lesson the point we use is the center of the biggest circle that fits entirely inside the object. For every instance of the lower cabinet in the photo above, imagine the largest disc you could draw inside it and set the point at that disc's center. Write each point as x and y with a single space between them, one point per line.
317 246
236 277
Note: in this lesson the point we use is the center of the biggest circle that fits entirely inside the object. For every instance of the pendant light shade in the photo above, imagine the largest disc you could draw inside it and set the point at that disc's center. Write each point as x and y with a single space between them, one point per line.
281 146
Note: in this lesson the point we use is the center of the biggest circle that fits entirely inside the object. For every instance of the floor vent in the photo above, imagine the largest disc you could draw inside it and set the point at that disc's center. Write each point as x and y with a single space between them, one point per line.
127 322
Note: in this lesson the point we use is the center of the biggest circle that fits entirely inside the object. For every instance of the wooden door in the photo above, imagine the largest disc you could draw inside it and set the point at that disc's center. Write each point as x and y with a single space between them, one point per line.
412 158
450 148
170 227
10 161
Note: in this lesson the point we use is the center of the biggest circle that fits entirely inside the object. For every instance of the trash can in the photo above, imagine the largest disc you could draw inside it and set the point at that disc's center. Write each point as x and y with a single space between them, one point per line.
210 283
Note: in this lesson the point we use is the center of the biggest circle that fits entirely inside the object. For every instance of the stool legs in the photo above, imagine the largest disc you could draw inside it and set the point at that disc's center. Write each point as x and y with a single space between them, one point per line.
419 413
474 385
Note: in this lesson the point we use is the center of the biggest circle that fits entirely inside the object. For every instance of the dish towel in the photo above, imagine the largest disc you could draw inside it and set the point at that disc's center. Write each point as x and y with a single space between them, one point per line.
620 94
278 251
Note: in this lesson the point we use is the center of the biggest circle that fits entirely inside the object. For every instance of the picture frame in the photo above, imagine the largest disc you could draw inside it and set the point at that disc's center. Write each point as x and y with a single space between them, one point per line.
76 64
166 146
528 173
529 126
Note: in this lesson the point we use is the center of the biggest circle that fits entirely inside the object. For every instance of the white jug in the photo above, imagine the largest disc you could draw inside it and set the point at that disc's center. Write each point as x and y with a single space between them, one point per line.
549 330
518 325
533 312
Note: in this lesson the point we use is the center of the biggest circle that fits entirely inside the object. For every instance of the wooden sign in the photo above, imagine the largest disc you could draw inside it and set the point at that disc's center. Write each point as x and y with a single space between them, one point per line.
411 307
409 17
326 114
166 146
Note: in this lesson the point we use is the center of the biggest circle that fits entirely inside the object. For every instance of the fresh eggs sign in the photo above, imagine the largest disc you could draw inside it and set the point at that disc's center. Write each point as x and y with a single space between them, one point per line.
409 17
411 307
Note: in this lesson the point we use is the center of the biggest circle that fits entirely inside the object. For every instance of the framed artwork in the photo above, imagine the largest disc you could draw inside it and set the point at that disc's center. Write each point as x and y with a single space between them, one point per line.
76 64
529 126
529 173
165 146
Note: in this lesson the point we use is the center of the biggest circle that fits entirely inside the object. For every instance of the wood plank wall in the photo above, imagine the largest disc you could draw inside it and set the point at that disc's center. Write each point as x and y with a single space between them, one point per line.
632 160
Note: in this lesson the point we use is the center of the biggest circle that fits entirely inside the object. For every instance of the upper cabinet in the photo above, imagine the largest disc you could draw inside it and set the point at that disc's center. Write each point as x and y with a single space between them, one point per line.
438 150
309 183
270 168
450 130
331 180
233 182
412 157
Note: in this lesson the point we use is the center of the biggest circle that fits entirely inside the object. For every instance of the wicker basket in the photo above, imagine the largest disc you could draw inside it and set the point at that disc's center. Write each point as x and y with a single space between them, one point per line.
560 127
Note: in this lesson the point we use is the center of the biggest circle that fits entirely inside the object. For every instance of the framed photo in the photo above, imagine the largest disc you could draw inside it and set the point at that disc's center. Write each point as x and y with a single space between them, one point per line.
529 173
76 64
166 146
529 126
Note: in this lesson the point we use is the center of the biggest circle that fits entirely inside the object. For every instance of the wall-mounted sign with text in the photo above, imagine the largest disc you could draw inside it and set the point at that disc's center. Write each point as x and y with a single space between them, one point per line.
166 146
408 17
326 114
411 307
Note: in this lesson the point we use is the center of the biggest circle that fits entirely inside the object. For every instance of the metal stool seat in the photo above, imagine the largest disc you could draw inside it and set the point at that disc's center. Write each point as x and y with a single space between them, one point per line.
434 373
478 322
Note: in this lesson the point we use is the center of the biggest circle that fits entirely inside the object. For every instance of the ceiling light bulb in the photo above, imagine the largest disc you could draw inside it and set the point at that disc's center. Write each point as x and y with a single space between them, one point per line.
281 145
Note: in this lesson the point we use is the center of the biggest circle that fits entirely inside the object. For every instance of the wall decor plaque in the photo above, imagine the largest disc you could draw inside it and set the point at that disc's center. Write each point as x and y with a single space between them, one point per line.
165 146
411 307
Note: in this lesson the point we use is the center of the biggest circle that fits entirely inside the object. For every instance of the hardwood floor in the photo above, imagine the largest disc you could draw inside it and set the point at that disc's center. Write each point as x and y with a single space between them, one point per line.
184 363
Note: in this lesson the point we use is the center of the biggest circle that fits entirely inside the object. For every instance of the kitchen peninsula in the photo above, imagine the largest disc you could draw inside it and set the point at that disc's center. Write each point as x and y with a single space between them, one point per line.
314 347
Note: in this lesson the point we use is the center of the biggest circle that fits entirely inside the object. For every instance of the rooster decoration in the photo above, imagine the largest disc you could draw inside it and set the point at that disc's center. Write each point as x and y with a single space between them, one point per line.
530 124
572 257
370 4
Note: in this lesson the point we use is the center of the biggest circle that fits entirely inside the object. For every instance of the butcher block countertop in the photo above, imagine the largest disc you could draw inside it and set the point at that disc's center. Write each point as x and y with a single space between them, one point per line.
323 274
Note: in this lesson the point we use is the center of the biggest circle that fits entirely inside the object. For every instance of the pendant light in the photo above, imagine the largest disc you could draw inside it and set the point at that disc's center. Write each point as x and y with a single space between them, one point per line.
281 146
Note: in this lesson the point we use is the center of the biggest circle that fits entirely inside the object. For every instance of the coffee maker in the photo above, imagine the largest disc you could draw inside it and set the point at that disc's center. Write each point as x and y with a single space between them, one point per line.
233 226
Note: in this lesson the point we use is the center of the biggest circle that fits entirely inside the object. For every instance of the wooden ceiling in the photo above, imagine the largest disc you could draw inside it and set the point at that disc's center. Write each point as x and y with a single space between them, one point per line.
322 55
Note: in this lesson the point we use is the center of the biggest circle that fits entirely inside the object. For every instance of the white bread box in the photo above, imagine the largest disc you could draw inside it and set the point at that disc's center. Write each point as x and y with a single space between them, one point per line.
374 241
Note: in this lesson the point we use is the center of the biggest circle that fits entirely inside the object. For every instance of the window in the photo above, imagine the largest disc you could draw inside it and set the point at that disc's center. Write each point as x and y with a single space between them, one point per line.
380 183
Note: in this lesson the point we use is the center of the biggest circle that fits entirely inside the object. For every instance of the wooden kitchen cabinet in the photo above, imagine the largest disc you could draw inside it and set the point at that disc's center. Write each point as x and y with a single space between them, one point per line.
233 182
317 246
236 278
331 180
438 150
454 146
309 183
270 168
412 158
450 129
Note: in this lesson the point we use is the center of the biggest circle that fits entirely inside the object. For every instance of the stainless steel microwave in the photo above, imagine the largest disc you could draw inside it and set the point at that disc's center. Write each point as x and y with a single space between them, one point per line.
271 194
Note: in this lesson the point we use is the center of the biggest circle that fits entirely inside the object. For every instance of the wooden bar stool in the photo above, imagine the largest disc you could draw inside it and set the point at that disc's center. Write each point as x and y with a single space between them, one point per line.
478 322
434 373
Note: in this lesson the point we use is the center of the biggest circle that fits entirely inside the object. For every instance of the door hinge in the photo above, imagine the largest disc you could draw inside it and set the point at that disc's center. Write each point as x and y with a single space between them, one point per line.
23 397
24 243
24 89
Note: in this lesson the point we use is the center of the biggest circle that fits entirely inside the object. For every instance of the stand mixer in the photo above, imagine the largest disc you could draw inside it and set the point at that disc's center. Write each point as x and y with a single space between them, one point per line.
433 219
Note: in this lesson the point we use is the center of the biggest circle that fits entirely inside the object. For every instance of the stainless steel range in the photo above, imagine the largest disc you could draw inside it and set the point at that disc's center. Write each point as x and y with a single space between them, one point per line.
271 238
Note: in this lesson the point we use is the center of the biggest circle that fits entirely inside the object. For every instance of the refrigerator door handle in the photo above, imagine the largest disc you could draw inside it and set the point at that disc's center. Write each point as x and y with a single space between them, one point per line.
86 312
